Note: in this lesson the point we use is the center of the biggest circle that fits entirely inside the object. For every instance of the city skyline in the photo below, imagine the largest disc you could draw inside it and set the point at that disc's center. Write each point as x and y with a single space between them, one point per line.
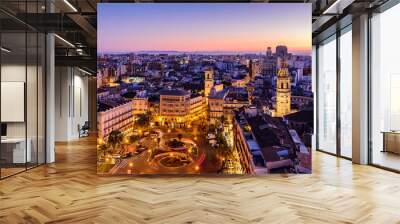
224 28
172 52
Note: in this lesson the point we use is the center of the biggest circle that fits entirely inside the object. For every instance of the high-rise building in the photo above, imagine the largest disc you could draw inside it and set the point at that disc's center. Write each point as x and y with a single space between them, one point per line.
251 74
283 91
269 52
281 51
254 68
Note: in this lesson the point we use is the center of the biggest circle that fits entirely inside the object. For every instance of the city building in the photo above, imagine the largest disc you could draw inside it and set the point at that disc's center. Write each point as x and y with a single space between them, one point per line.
208 81
283 92
216 103
281 51
197 107
140 103
268 52
174 106
114 115
179 107
264 146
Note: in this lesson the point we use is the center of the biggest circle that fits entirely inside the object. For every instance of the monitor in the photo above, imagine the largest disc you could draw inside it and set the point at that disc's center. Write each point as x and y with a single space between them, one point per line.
3 129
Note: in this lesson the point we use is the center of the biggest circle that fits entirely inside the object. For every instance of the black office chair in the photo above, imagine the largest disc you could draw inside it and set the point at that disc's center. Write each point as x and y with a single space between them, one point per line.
84 130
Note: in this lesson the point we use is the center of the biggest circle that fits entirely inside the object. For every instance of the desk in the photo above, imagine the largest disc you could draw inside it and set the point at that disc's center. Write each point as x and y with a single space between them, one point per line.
391 141
13 150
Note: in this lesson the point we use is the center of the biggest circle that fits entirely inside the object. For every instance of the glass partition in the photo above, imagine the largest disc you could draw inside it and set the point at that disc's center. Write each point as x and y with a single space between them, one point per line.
22 91
326 129
14 155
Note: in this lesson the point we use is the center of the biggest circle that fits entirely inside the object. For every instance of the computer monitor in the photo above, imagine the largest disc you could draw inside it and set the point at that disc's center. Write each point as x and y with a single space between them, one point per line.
3 130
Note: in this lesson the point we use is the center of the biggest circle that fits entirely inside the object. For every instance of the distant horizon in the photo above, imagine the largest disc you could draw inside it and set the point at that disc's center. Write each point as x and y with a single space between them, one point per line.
204 27
216 52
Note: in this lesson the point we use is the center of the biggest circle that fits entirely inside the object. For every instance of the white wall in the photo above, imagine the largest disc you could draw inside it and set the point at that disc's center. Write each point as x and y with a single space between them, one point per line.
71 102
12 73
33 126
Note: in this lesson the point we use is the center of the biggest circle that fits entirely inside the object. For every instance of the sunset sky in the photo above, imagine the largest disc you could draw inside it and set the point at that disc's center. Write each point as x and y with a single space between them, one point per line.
190 27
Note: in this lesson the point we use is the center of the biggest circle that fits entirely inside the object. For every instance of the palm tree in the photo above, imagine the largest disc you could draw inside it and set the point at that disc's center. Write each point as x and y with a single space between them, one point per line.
222 120
103 149
143 120
158 142
115 139
179 136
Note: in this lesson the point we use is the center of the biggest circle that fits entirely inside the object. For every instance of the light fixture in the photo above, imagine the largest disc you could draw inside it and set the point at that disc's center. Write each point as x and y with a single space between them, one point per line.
84 71
337 7
64 40
70 5
5 50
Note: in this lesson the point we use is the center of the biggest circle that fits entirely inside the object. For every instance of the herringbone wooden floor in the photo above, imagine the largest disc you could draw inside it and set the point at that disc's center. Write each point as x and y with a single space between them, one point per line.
69 191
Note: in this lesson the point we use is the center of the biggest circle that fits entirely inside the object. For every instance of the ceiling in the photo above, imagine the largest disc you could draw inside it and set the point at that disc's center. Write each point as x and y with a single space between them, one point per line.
75 21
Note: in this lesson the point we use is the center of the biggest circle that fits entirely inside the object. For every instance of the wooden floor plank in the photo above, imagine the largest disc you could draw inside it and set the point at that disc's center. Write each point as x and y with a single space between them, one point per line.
70 191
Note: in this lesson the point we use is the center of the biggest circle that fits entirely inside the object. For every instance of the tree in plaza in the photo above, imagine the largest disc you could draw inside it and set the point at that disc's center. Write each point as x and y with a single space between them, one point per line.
179 136
133 138
124 148
115 139
223 150
158 142
143 120
103 149
222 120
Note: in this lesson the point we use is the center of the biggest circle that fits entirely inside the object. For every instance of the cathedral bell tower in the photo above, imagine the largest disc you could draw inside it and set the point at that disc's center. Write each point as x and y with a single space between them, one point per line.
283 90
208 82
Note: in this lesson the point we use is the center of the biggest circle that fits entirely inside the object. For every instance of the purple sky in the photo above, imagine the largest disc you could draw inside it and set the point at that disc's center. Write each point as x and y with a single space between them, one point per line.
227 27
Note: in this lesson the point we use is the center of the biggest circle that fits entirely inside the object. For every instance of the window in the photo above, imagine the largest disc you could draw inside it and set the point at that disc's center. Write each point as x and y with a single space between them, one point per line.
385 89
327 96
346 93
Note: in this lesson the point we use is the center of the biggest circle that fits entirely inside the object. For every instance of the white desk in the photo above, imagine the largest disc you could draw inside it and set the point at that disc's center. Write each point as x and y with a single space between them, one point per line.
17 148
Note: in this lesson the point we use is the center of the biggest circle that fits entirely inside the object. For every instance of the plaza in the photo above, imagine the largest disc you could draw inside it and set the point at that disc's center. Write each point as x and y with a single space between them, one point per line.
165 150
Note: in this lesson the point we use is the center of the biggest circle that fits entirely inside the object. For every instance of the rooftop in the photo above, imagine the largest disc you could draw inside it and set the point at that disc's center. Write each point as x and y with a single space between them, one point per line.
218 95
305 116
104 105
173 92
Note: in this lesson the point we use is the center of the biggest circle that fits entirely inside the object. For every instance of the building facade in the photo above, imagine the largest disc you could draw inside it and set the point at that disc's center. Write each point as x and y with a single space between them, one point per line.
283 91
114 117
208 82
140 103
174 106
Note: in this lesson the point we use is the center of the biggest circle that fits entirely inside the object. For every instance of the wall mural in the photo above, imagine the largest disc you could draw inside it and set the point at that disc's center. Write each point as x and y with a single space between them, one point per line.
204 88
